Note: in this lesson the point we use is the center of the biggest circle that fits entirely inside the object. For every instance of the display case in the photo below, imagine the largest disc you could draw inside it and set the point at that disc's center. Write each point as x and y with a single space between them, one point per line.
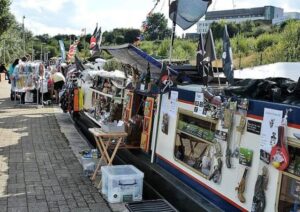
289 190
194 137
147 124
104 107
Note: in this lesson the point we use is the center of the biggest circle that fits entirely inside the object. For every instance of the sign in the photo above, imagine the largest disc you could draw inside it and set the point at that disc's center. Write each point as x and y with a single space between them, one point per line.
269 130
253 127
264 156
245 157
199 104
173 103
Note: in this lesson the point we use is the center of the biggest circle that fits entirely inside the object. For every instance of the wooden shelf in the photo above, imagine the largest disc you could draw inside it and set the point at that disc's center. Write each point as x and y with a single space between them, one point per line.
293 142
194 136
204 118
291 175
191 168
101 93
93 119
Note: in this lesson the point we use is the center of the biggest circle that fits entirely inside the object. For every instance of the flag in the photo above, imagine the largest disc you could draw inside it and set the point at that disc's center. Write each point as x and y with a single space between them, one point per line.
72 50
208 58
185 13
78 63
93 38
210 51
99 38
200 56
62 50
96 41
227 57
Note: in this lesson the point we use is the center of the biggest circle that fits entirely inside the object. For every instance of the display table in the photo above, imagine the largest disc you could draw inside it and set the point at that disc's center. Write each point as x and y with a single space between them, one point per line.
103 142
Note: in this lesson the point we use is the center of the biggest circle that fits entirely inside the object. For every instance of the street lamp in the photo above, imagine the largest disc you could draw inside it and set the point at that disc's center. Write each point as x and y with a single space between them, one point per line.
42 51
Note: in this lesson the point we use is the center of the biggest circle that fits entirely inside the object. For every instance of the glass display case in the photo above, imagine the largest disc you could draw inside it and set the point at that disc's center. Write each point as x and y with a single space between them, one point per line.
194 138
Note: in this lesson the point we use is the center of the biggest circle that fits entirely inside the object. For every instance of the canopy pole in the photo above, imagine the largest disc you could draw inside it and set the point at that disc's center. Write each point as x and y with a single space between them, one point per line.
172 41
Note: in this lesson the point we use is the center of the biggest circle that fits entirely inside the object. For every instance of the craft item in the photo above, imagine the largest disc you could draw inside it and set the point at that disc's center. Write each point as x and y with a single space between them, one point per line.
228 117
165 123
216 175
240 128
259 198
241 187
206 161
228 155
279 153
227 124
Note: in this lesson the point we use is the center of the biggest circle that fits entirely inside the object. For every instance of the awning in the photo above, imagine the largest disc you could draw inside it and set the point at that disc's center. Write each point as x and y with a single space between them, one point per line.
129 54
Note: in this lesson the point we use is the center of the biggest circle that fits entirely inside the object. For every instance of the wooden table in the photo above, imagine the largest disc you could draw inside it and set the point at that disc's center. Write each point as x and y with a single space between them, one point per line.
103 142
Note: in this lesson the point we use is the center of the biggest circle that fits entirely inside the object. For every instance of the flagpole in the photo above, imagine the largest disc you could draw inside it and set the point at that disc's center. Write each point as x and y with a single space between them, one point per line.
218 76
84 44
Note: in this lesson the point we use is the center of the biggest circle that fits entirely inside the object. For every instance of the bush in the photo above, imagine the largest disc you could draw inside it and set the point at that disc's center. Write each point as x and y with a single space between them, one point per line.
264 41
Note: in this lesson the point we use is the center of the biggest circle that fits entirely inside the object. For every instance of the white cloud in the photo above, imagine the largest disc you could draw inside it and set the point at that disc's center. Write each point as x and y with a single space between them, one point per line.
42 5
44 16
39 28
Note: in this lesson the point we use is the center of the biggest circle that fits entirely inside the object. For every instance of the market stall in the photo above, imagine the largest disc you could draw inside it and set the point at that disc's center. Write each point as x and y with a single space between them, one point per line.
29 82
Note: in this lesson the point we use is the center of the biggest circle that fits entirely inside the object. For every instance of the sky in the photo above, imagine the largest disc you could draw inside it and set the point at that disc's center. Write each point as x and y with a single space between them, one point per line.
71 16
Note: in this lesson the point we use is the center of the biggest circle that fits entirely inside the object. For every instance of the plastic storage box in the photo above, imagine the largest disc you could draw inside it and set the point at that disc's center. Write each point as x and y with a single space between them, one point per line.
89 165
122 183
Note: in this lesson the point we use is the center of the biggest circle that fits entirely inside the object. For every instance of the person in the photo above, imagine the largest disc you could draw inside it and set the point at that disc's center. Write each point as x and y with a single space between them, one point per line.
11 69
2 70
59 81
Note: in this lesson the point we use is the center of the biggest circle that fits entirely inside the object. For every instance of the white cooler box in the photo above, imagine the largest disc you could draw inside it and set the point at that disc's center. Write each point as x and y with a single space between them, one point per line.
122 183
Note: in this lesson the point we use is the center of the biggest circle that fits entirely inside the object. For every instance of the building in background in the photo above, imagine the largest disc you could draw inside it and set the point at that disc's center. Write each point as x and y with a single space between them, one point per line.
266 13
286 16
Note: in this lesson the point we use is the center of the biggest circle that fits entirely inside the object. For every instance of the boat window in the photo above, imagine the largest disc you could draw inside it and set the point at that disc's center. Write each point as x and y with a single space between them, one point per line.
289 193
194 141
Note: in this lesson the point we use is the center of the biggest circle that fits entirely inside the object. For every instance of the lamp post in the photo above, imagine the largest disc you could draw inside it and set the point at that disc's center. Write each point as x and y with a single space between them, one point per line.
24 34
41 52
4 51
32 53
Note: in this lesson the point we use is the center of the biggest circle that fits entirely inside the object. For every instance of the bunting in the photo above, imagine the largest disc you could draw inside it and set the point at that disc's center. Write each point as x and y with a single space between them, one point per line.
72 50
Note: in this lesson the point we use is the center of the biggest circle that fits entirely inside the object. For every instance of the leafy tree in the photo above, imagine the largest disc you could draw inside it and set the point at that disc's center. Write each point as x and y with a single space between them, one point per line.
264 41
156 27
6 18
131 35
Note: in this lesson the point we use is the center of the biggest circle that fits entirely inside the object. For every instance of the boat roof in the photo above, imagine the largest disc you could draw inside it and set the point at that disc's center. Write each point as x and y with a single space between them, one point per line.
131 55
289 70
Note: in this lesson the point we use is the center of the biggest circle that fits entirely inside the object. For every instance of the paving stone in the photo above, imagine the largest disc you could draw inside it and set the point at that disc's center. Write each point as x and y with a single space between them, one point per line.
17 209
39 167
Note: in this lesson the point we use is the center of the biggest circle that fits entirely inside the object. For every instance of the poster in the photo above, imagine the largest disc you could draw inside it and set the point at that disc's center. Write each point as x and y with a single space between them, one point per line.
269 130
253 127
199 103
173 103
245 157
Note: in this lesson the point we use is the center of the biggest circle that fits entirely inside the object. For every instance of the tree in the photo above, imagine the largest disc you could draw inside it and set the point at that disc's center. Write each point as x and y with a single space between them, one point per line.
156 27
6 18
131 35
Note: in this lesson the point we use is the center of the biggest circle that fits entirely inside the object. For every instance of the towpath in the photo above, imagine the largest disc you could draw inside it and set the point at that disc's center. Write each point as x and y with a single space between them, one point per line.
39 168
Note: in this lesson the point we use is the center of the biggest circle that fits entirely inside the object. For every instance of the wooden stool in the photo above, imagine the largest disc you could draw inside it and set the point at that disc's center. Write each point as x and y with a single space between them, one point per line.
103 142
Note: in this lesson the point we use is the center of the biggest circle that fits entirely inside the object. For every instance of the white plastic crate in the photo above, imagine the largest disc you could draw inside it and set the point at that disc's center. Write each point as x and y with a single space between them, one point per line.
122 183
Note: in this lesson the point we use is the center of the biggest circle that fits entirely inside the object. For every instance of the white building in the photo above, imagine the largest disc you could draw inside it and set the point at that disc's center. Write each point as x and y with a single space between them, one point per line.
239 15
286 16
